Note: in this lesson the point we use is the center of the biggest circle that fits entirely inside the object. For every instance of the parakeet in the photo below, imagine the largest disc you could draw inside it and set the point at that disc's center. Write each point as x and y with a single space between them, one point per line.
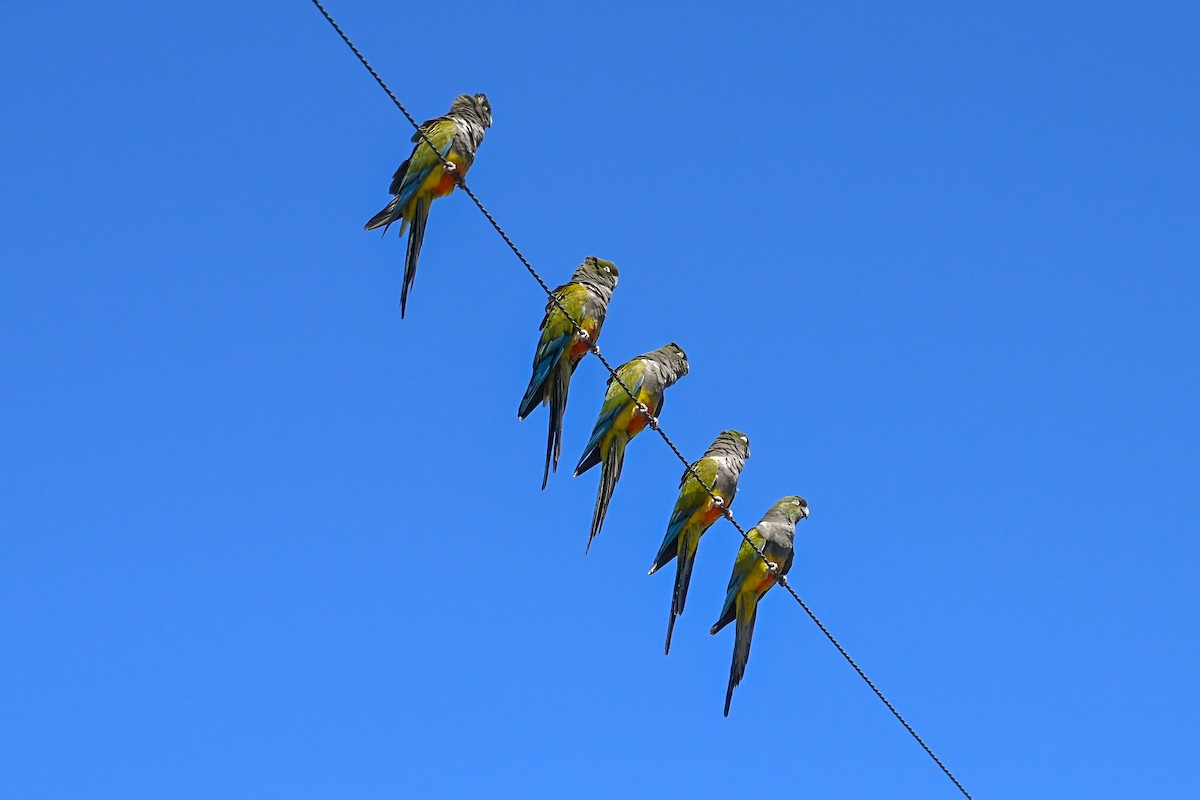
719 468
423 177
647 376
752 579
561 348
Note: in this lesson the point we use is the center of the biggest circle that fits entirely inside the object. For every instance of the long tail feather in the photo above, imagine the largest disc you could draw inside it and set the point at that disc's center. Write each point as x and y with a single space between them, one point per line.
683 576
610 473
741 652
670 630
557 401
416 235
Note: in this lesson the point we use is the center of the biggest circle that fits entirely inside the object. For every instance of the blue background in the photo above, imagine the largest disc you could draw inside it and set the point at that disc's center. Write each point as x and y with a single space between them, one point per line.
263 539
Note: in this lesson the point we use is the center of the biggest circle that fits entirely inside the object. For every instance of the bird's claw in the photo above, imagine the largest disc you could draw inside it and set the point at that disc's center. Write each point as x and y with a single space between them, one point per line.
718 501
449 167
584 336
773 566
651 421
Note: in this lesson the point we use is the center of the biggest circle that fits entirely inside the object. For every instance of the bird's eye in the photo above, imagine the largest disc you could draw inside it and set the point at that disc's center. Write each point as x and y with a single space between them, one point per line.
795 502
744 439
606 269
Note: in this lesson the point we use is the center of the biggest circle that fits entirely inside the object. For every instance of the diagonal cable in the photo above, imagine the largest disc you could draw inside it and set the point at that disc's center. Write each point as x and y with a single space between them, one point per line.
652 422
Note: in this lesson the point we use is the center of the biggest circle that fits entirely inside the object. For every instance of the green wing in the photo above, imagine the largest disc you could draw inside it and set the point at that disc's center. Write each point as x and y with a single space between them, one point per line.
691 497
557 336
746 559
413 172
572 297
615 399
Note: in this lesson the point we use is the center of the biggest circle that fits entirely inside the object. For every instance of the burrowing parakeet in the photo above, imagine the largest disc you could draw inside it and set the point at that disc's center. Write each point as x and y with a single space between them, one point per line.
647 377
423 177
751 578
561 348
695 511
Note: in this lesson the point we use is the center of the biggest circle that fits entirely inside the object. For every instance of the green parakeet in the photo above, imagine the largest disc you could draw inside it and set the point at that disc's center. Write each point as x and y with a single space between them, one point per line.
647 376
423 177
695 511
752 579
561 348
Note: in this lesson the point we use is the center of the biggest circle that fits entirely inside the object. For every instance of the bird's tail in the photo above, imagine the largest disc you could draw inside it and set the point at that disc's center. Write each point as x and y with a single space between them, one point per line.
741 651
683 576
560 378
670 630
416 235
610 473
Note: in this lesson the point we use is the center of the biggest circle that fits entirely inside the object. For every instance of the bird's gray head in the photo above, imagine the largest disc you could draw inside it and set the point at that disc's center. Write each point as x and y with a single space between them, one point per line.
730 443
672 358
794 508
598 271
473 106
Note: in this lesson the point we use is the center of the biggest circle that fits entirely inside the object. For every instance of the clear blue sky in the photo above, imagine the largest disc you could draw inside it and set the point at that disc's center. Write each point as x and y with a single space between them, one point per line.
261 538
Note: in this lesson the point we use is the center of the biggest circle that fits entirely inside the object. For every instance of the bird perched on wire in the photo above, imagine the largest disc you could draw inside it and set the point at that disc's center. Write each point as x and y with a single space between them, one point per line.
561 346
622 417
695 511
424 176
752 578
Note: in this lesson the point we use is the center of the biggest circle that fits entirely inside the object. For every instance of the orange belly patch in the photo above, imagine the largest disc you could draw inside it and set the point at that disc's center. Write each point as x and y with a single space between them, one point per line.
580 348
637 424
444 186
766 583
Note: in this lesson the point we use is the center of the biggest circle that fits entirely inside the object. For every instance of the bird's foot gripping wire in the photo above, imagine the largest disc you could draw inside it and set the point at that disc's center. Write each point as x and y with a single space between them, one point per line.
451 169
587 339
651 421
721 506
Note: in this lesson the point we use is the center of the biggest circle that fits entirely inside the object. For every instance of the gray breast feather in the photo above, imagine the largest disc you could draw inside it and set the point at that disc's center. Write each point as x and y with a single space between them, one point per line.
468 138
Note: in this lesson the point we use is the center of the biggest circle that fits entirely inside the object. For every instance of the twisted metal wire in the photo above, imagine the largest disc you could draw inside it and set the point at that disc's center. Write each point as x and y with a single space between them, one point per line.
652 422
